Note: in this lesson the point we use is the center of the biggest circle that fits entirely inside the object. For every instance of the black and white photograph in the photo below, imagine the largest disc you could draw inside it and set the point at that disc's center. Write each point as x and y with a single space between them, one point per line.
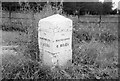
59 40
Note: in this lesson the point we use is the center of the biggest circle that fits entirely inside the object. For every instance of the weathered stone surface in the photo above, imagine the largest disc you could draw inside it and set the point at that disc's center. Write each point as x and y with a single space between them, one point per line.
55 40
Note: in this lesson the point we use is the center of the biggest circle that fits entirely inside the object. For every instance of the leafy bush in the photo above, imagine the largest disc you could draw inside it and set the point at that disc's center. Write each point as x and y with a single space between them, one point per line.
107 37
83 35
12 28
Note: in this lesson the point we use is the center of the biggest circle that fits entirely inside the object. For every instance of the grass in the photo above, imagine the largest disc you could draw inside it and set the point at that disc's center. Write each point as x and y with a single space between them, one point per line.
14 37
14 63
18 66
93 59
94 56
99 54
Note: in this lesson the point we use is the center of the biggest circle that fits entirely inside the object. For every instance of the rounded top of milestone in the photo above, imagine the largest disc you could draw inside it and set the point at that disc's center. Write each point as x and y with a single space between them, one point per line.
56 18
55 21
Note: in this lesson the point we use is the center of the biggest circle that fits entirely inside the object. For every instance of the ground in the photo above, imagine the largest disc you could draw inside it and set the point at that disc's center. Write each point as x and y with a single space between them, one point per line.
95 54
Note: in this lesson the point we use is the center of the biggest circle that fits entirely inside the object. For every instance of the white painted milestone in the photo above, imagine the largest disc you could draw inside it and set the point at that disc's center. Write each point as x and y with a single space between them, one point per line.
55 40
